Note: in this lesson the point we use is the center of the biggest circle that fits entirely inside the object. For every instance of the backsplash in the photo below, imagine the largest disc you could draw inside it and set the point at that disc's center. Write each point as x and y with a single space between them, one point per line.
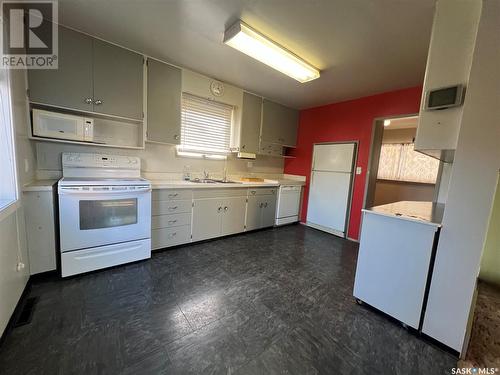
159 162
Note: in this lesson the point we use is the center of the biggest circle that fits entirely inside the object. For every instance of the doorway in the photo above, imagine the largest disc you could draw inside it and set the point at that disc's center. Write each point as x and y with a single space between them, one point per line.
396 172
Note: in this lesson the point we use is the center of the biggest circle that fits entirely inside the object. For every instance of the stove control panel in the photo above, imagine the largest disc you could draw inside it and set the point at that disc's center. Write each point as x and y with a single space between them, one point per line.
88 160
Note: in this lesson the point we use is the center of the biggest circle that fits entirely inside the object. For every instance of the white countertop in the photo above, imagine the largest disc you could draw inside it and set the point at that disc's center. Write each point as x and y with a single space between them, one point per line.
179 184
422 212
40 185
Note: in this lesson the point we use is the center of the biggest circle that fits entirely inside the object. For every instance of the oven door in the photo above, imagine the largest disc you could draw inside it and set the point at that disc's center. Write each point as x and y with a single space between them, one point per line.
96 216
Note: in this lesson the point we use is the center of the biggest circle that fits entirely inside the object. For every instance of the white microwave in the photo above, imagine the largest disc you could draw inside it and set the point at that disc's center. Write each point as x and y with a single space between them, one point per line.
62 126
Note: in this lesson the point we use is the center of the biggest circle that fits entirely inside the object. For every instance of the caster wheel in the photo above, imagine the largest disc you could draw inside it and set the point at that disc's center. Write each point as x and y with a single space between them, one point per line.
358 301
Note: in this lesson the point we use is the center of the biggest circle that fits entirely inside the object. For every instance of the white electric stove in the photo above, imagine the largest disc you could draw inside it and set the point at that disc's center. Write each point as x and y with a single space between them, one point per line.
104 212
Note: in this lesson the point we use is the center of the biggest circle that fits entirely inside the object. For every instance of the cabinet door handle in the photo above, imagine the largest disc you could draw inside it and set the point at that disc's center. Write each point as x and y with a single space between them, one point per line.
173 195
261 205
98 102
88 100
226 208
176 137
242 147
265 204
219 209
172 235
173 208
172 221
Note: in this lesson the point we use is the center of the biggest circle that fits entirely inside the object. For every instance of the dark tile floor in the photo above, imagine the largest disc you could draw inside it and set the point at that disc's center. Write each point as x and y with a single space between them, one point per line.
278 301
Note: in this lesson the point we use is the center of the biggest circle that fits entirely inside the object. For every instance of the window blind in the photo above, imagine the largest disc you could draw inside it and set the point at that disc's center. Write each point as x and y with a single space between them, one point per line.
205 125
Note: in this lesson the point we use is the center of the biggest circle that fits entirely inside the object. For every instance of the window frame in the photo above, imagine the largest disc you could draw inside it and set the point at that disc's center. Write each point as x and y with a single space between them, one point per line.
10 205
185 152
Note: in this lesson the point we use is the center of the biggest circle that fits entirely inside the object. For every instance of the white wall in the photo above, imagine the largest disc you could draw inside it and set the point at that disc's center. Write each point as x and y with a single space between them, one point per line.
471 191
13 247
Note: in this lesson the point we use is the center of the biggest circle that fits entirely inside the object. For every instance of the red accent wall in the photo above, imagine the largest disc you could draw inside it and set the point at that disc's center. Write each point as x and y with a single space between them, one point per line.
347 121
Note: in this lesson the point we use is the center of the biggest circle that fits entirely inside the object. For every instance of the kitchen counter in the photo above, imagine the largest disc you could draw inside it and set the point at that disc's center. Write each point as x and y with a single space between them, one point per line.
423 212
179 184
40 185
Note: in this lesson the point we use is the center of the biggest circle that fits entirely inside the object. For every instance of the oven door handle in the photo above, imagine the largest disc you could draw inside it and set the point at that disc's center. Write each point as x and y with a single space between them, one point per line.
78 191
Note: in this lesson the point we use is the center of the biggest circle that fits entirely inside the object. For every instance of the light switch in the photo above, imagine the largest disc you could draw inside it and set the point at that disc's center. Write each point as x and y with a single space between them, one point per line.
358 170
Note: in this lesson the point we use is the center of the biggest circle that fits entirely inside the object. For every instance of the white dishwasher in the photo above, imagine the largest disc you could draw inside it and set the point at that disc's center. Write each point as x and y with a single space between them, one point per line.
288 204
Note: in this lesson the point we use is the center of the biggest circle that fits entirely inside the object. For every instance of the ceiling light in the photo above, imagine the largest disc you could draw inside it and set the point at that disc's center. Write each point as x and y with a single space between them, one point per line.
254 44
387 122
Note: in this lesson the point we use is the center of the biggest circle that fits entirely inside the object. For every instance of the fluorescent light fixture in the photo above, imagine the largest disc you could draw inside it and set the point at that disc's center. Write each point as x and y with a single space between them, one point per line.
254 44
387 122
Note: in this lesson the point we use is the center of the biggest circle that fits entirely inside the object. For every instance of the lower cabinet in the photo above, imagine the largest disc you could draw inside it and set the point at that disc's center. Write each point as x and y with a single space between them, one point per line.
39 211
171 217
215 217
181 216
261 208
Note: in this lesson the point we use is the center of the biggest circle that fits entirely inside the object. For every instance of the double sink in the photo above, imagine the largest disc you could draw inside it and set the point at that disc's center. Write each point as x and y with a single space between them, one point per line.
213 181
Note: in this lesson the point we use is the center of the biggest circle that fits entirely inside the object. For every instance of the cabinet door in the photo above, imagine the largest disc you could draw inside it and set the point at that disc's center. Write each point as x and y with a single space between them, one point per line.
164 103
251 117
71 84
279 124
233 217
207 215
254 213
268 211
118 85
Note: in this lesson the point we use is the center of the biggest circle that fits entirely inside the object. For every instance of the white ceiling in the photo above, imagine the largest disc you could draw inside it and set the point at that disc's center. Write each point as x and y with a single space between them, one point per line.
361 46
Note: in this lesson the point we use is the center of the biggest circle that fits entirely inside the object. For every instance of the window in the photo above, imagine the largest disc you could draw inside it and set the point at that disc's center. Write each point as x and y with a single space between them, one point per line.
8 184
402 163
205 127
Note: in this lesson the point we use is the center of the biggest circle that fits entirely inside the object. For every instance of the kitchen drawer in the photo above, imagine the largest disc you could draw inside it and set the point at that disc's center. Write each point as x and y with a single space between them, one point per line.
166 237
167 221
220 193
170 207
171 194
262 191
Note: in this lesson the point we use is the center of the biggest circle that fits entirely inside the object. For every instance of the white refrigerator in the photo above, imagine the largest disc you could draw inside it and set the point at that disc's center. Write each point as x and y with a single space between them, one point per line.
330 187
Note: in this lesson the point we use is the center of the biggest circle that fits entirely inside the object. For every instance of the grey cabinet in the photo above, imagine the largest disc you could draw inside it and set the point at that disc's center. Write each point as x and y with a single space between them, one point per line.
206 218
215 217
261 208
251 117
233 215
93 76
39 211
71 85
279 124
164 103
118 81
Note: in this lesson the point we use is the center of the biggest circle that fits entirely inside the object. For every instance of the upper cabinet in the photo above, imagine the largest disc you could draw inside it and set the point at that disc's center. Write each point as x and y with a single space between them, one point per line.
92 76
448 64
118 81
279 124
71 85
251 115
164 103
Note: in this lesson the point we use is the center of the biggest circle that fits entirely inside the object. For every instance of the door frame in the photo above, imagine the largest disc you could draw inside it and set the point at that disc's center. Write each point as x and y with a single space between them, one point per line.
374 156
351 187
